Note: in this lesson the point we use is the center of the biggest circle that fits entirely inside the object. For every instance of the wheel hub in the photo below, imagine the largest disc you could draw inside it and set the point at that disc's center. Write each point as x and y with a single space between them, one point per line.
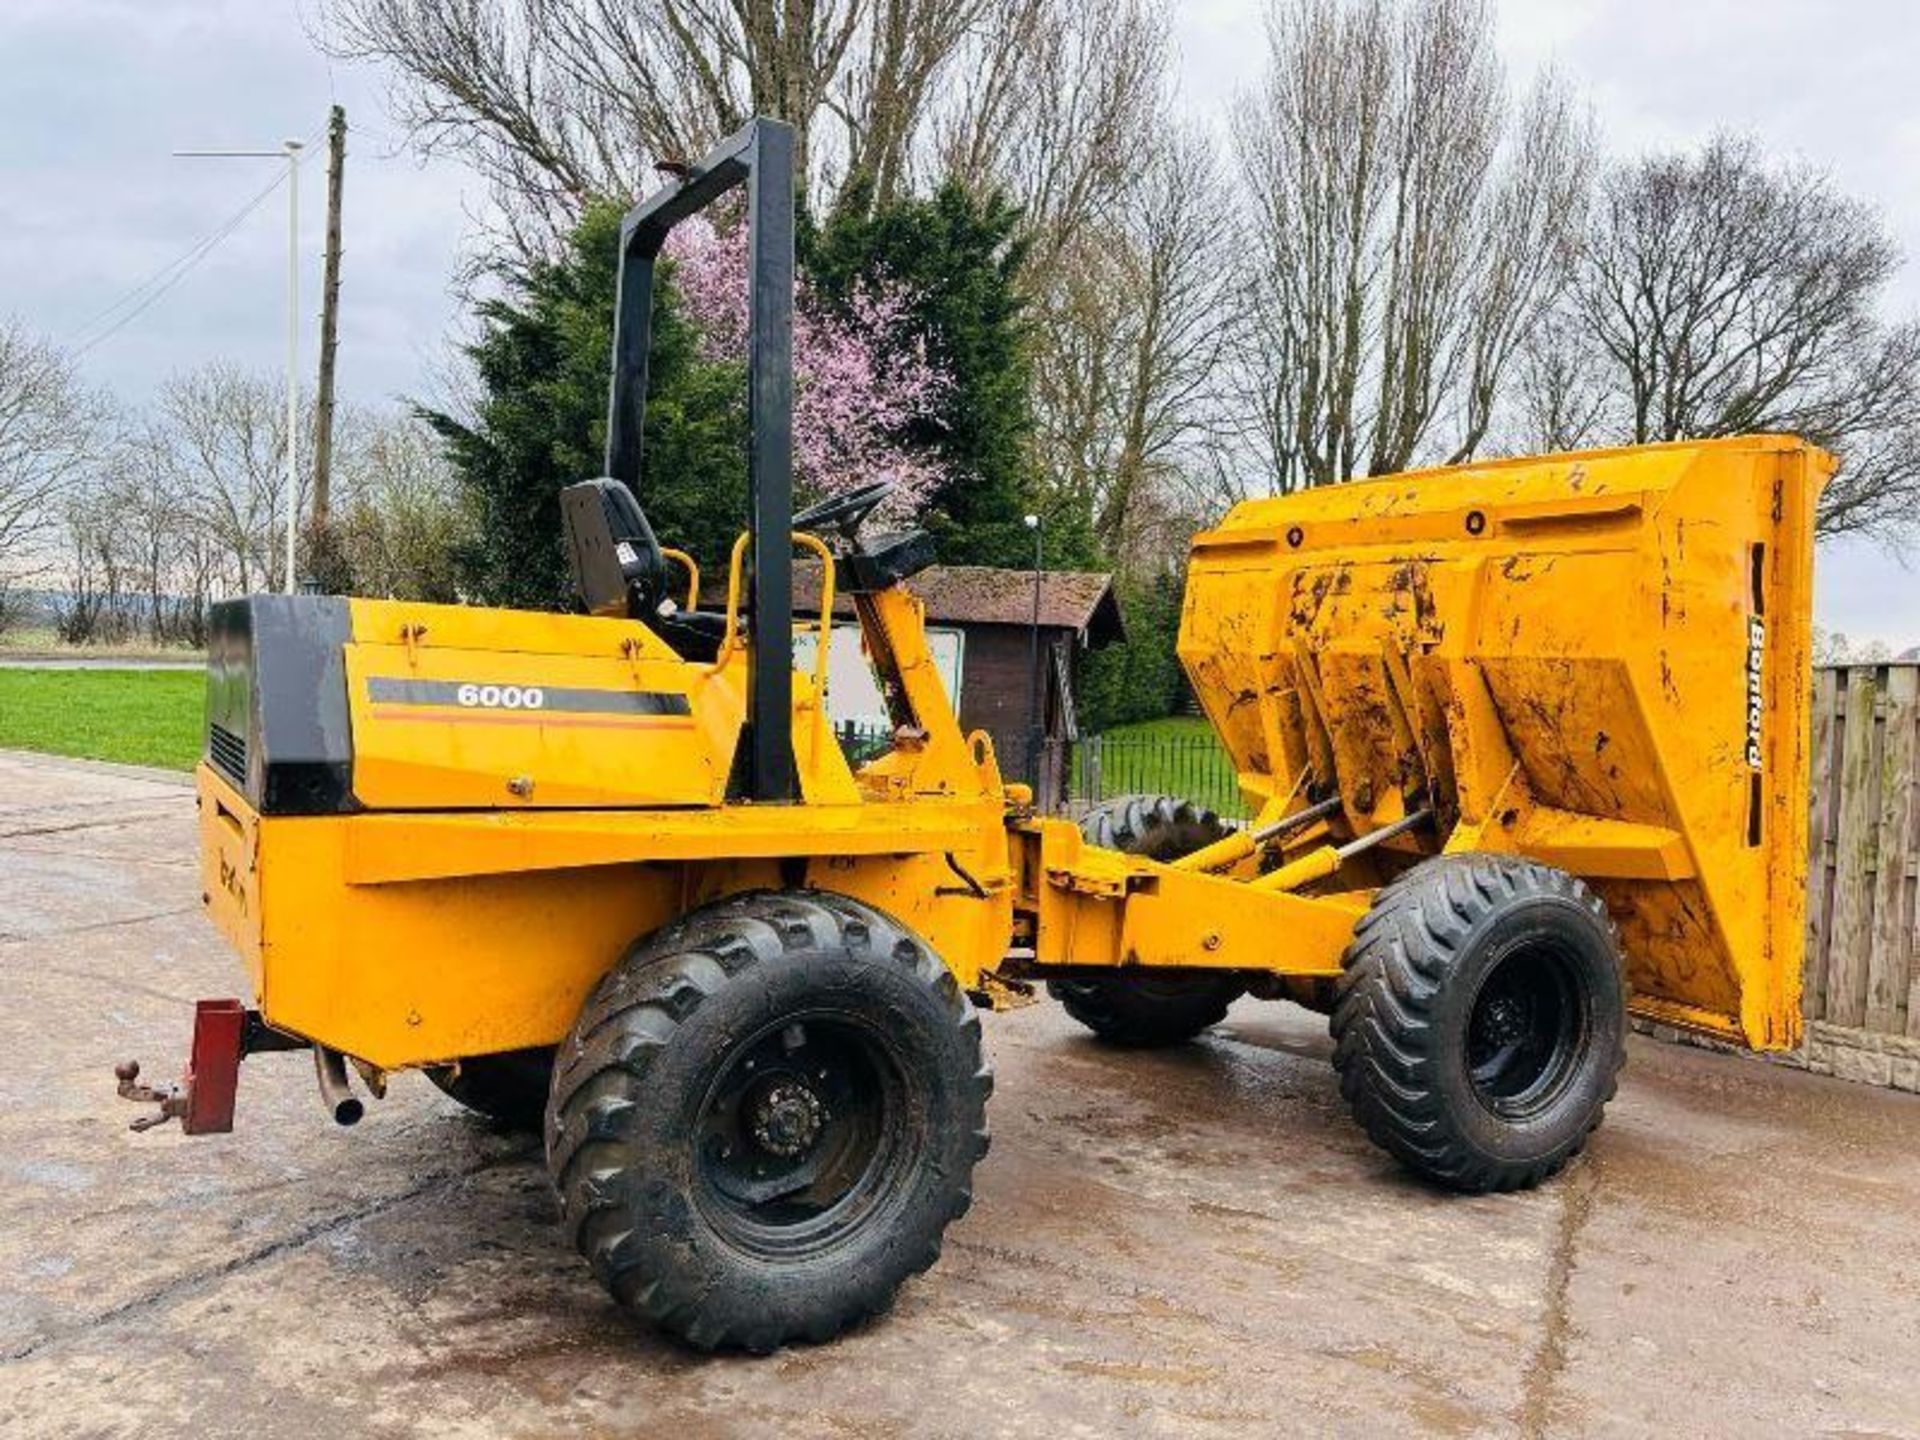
794 1138
786 1119
1524 1033
1505 1020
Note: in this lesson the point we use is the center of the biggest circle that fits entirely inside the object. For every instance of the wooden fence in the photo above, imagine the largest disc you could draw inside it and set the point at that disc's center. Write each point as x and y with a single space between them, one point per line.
1863 931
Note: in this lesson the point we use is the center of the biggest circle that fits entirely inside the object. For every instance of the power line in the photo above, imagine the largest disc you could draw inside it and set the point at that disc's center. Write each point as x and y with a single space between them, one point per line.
143 296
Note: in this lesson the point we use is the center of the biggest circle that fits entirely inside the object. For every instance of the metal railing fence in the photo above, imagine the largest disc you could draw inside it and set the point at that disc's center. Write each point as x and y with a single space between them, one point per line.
1070 776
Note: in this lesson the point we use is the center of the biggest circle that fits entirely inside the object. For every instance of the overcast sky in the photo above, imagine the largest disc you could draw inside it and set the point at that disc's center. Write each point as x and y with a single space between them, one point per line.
98 92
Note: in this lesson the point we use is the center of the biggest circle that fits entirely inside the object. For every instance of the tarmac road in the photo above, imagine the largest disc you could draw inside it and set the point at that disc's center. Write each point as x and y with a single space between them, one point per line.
1195 1242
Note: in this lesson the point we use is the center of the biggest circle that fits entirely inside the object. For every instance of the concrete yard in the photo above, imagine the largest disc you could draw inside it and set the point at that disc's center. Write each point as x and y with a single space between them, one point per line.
1196 1242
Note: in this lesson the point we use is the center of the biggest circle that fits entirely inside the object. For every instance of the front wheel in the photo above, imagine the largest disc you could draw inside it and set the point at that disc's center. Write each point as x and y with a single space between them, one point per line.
1481 1020
766 1117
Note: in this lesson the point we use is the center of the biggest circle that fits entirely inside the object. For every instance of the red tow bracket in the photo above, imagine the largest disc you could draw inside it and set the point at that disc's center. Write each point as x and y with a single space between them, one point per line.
202 1101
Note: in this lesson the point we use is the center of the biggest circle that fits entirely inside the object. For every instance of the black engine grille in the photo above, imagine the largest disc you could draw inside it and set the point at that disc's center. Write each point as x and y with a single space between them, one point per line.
228 752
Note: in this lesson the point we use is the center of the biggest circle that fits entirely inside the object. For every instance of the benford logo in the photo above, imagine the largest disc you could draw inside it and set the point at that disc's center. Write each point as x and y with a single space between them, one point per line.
501 697
231 883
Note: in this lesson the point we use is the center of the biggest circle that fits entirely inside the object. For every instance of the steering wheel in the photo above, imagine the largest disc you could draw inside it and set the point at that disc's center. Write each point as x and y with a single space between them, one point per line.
844 512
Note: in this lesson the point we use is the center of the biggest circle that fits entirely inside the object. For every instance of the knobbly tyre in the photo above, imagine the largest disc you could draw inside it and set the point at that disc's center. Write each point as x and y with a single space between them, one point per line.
1521 737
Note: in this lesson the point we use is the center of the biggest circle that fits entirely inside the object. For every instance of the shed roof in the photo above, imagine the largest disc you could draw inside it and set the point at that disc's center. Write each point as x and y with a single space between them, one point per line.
1078 600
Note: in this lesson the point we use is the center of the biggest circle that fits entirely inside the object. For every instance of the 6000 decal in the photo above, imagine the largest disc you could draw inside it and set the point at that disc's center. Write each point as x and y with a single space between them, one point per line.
501 697
548 699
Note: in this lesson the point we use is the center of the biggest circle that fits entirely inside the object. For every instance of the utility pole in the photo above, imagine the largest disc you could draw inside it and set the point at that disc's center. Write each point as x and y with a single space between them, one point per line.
292 148
290 152
1034 677
329 322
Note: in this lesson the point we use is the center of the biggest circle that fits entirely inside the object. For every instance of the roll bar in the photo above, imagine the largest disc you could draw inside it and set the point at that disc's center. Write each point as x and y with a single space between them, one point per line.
759 157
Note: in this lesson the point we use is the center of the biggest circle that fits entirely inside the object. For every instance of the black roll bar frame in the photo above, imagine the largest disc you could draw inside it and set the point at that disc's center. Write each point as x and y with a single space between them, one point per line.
758 156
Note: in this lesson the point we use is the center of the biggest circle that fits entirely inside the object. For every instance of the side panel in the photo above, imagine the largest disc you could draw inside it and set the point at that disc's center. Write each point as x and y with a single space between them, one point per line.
468 729
229 872
435 970
926 894
472 709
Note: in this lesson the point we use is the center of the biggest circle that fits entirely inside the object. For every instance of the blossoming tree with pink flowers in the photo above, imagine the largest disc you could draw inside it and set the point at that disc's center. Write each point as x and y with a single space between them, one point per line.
861 373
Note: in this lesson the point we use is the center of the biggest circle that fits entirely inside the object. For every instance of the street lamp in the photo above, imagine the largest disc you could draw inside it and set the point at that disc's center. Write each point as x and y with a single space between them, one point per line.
1033 667
290 152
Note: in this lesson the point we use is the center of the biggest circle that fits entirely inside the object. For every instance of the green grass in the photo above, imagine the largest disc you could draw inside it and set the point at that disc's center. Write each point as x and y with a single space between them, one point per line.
1177 727
138 717
1175 756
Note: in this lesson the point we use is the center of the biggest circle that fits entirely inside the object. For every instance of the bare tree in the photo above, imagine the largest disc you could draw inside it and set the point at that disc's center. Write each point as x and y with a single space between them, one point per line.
1832 647
1135 321
1065 109
50 427
221 435
1720 295
108 563
1556 401
1870 418
1408 226
1057 104
556 100
403 517
142 520
83 610
888 99
186 505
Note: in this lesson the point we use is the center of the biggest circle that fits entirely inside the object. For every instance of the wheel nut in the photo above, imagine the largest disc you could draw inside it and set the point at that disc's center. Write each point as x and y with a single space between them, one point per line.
788 1119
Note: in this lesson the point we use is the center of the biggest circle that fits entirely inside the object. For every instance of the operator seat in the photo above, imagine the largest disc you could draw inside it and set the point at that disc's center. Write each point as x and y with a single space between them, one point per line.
619 568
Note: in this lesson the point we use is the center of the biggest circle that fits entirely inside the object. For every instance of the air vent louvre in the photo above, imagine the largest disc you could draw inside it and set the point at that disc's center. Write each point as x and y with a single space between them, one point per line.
228 752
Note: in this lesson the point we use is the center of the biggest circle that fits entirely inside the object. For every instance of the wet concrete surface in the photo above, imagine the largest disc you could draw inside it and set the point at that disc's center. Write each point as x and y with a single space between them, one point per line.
1195 1242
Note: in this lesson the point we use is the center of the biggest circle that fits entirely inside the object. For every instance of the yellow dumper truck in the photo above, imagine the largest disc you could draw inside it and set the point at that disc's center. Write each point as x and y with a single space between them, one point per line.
1524 738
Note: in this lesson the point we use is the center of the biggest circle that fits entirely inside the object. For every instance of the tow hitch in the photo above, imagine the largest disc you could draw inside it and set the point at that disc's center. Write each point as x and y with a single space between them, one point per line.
224 1033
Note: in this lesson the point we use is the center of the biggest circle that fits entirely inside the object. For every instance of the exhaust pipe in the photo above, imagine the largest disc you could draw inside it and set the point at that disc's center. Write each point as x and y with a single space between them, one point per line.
331 1068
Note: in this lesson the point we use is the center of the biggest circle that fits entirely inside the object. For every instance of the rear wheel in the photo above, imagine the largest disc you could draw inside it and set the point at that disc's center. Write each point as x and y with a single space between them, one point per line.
1160 827
1167 1006
1147 1011
1481 1020
767 1116
510 1088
